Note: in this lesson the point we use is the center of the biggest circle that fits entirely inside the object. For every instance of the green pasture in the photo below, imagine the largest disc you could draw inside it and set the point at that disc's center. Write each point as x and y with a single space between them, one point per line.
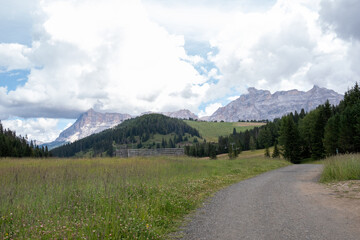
112 198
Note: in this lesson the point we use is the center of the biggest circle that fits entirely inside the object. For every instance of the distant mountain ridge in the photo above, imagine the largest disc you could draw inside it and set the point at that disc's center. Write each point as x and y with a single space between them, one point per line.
180 114
262 105
92 122
256 105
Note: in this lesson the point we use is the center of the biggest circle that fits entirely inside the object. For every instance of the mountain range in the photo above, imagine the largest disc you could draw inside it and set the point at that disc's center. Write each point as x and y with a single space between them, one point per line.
262 105
256 105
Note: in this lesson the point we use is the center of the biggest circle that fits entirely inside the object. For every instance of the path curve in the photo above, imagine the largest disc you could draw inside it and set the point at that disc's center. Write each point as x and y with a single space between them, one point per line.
286 203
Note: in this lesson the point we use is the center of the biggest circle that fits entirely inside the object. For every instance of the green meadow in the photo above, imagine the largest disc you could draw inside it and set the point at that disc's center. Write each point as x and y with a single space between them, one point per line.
212 130
112 198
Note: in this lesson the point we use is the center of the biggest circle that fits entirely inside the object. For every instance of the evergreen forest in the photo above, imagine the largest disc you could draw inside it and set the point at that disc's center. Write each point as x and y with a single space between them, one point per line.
17 146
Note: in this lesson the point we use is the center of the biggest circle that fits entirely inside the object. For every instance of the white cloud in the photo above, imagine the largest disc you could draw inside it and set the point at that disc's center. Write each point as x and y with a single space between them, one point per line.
40 129
233 98
210 109
107 55
341 17
14 56
128 56
280 47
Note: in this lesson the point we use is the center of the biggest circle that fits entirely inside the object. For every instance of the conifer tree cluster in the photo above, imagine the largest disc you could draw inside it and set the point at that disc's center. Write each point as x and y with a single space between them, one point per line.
202 150
17 146
325 131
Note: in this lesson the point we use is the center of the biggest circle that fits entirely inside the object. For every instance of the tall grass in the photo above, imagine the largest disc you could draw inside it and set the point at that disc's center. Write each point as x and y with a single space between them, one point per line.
341 168
137 198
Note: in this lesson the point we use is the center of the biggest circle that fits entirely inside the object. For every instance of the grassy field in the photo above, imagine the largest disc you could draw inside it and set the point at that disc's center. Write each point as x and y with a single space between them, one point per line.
212 130
137 198
341 168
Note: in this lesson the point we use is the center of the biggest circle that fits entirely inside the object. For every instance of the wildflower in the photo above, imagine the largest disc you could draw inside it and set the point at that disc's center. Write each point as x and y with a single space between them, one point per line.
147 226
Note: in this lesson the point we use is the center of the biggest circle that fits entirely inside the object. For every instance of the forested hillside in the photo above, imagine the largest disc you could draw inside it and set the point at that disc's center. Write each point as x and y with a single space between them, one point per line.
14 146
148 131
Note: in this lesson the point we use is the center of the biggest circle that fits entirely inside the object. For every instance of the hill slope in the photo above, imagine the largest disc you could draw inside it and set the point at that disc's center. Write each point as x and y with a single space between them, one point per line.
143 131
212 130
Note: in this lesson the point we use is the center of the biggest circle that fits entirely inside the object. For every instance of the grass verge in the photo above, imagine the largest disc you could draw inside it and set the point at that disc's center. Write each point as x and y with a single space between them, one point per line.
341 168
137 198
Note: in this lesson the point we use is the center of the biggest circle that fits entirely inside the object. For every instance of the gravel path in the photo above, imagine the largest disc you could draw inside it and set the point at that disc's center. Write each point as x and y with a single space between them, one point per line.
281 204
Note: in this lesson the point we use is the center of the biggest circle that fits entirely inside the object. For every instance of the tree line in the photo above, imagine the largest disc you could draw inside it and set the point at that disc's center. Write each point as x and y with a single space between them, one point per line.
17 146
325 131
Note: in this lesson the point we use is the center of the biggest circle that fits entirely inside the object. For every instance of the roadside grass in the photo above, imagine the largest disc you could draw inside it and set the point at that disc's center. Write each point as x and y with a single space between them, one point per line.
212 130
111 198
341 168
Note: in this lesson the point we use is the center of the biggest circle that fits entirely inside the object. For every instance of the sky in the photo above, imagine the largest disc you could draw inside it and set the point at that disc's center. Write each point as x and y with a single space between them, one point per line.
60 58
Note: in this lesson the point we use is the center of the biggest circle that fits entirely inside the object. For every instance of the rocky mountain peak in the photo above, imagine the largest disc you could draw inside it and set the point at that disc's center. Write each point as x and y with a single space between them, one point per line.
316 87
261 104
91 122
181 114
252 90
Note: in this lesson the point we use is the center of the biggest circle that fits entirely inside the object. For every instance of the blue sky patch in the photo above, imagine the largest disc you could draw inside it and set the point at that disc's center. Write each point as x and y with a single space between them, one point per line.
199 48
13 79
64 122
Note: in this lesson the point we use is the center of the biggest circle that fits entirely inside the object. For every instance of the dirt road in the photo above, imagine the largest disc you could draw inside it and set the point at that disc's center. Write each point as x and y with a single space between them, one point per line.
283 204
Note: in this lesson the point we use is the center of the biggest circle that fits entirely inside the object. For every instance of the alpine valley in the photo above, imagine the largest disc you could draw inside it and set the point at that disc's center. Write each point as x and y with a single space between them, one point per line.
256 105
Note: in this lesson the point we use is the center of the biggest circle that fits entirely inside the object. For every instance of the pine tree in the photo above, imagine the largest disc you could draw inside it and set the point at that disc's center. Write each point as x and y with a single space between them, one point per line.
265 138
233 150
302 113
331 135
267 152
252 144
212 151
276 152
317 147
289 139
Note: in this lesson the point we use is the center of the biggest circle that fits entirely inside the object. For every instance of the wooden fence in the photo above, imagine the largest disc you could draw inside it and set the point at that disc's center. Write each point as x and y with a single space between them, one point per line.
149 152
